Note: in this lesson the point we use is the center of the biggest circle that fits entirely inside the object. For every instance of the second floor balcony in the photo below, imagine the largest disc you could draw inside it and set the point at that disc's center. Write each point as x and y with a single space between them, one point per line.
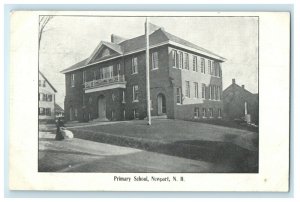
105 84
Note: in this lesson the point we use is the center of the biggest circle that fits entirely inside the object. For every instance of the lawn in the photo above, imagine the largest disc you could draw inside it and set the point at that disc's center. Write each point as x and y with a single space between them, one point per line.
199 141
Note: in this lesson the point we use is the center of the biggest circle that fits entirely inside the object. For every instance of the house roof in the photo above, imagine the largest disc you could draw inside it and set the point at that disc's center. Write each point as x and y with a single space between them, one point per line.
57 108
235 86
138 43
47 81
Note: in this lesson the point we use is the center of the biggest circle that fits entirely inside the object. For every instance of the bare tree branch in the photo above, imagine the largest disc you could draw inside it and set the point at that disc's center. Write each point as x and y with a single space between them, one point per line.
44 20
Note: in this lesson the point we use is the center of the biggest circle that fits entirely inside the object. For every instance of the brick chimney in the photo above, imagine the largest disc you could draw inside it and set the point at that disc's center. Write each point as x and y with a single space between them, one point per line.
233 81
243 86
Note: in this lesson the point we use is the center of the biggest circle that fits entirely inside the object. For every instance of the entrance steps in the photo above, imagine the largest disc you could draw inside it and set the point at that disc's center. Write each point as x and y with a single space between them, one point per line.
100 120
164 116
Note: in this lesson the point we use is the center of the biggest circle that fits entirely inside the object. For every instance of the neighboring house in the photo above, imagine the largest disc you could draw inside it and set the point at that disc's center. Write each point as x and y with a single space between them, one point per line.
185 80
46 99
59 112
238 101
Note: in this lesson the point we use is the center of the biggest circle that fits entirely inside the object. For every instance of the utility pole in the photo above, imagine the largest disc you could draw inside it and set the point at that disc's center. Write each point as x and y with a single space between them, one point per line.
147 73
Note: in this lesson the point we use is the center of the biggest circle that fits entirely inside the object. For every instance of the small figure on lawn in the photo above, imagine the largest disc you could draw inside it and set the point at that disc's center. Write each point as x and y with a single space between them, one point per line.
59 124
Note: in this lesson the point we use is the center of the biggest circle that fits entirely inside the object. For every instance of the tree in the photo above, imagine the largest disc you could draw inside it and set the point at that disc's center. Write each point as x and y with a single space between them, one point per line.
43 21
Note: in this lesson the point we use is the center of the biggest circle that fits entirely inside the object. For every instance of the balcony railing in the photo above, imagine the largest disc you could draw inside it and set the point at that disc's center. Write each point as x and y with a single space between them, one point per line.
120 79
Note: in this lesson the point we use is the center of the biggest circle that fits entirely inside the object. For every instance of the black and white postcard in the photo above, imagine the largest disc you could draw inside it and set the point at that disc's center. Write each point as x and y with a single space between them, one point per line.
149 101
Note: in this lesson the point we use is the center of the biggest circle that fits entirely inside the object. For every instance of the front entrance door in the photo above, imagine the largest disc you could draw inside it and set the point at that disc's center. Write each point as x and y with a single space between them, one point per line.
161 102
101 108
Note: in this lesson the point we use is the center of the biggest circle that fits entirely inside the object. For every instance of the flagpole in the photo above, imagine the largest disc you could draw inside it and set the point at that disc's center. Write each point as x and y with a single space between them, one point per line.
147 73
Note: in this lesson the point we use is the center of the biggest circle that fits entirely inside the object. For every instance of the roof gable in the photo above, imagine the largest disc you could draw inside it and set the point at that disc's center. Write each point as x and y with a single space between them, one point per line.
47 81
104 50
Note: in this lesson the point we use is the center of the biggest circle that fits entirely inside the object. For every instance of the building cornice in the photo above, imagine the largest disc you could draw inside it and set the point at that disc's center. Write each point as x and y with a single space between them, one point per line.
150 47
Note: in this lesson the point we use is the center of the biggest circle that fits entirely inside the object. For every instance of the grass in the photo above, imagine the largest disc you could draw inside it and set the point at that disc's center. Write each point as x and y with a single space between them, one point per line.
199 141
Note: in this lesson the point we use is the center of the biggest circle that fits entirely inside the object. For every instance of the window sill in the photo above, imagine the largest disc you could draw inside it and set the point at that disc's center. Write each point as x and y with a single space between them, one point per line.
154 69
134 73
134 101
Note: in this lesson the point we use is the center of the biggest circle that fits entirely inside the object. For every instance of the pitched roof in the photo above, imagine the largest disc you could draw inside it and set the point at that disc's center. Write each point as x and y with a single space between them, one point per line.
113 46
235 87
47 81
181 41
157 37
58 108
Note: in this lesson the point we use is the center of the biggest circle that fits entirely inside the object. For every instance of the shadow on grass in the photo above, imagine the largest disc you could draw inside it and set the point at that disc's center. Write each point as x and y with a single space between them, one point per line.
50 151
222 153
240 160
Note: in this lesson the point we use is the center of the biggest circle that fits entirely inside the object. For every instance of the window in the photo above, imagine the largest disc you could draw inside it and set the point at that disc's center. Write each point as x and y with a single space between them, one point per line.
202 65
209 92
154 60
48 112
72 80
204 112
195 68
211 112
107 72
124 114
217 93
216 69
209 67
41 111
196 90
196 112
40 82
135 114
186 61
134 65
112 114
101 75
220 93
187 88
118 69
180 60
94 74
174 59
219 113
135 93
212 68
212 92
123 96
44 97
83 76
178 96
44 83
203 90
49 98
151 105
75 112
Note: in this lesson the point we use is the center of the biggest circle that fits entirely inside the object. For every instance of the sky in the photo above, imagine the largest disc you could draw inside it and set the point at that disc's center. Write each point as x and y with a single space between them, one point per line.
69 39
